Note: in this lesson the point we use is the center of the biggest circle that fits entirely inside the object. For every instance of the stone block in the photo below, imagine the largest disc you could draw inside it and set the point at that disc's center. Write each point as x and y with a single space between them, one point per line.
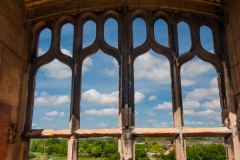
1 51
11 80
234 74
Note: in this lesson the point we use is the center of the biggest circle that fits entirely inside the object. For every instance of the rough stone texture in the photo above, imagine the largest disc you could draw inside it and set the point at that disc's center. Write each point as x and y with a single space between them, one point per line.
232 25
13 56
5 111
232 20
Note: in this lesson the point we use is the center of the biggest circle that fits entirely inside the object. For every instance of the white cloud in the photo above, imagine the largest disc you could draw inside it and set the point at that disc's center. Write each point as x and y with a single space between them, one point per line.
189 75
34 124
165 105
51 100
62 114
214 104
102 125
110 72
187 82
103 112
47 119
191 104
151 120
41 51
214 82
187 122
152 68
114 70
151 98
203 93
195 68
138 97
150 113
94 97
161 125
67 52
206 113
52 114
87 63
57 70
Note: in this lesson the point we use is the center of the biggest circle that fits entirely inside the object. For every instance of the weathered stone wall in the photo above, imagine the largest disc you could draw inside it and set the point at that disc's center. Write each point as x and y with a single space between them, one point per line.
232 26
13 62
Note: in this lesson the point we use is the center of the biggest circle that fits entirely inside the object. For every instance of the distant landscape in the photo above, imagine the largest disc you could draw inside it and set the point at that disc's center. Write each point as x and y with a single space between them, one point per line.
146 149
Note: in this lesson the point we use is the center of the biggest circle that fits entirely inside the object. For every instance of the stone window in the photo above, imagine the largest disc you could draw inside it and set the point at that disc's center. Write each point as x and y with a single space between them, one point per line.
128 49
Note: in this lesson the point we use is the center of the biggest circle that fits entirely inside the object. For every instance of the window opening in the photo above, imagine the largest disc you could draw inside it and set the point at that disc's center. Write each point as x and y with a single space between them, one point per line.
206 37
201 102
161 32
111 32
89 33
100 94
52 96
66 43
139 32
44 41
153 99
184 37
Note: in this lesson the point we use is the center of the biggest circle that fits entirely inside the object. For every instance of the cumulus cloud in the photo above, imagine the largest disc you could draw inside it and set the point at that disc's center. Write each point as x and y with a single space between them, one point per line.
151 98
138 96
191 104
165 105
188 70
187 82
52 114
95 97
46 119
203 94
206 113
189 74
152 68
102 112
58 70
88 62
214 104
150 113
47 100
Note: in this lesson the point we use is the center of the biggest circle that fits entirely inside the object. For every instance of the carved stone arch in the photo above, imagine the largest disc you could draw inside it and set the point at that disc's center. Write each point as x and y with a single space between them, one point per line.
37 28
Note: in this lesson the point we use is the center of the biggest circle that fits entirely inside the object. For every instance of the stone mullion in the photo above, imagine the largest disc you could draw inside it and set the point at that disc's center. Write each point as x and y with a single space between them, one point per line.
74 122
177 109
180 143
126 142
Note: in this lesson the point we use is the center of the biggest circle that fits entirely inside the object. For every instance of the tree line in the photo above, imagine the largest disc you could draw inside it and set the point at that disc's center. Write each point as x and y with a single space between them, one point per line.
107 148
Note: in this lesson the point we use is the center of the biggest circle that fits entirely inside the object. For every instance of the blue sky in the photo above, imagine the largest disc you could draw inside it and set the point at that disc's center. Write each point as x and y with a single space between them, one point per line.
99 101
